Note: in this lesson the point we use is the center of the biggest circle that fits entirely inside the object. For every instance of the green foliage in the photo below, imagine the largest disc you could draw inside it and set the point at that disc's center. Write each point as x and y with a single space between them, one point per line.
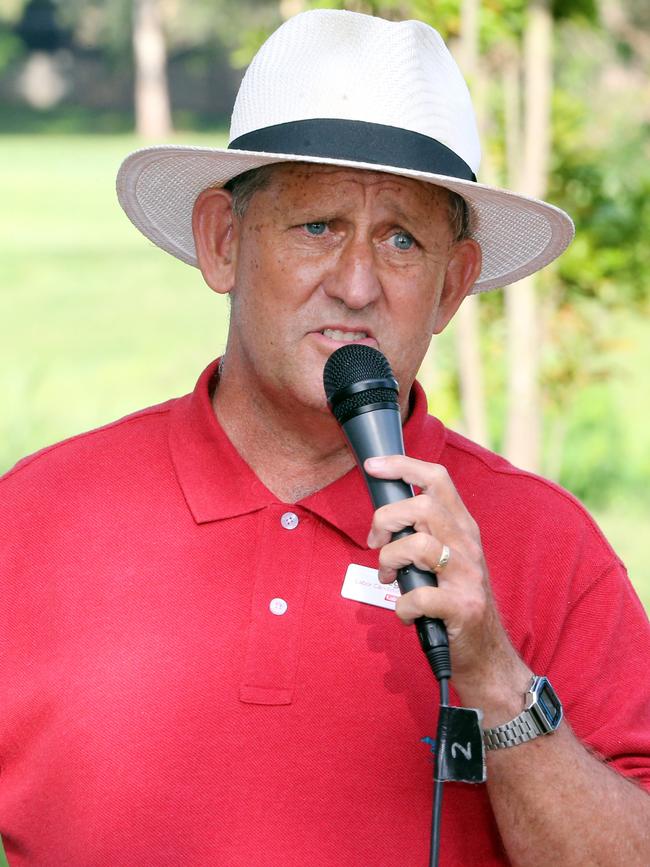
11 48
499 19
625 523
249 44
565 9
606 188
601 176
592 467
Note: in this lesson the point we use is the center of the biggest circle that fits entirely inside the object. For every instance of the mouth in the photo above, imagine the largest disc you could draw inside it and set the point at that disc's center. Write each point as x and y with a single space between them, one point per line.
341 336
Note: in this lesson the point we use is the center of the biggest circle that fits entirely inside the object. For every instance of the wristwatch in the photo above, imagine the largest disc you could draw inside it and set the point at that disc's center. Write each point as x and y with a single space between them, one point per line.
541 716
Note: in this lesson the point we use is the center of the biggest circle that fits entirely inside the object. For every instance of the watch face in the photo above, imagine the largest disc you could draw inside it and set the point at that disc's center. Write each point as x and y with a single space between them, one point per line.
549 704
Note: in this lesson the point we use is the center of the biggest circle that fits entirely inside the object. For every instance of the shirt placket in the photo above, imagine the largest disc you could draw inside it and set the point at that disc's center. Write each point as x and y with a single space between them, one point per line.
284 545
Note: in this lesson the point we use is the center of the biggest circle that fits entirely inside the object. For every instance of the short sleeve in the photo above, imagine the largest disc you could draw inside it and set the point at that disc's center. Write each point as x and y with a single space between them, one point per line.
600 670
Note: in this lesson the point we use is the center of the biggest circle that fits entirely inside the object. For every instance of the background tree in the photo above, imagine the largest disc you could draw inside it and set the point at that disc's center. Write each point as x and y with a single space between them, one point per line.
468 340
146 34
153 118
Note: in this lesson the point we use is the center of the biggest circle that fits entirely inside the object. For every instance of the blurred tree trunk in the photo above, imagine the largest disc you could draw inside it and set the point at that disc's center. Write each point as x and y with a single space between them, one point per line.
152 107
468 342
523 423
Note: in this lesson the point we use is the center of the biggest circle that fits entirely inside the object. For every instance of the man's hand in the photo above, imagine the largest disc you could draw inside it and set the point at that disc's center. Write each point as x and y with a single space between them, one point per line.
536 825
486 668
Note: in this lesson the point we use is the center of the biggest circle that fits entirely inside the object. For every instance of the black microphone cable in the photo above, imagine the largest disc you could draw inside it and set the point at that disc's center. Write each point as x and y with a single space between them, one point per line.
362 394
436 810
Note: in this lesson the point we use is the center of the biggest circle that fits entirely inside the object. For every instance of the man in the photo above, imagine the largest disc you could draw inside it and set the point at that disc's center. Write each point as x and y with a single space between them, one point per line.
183 682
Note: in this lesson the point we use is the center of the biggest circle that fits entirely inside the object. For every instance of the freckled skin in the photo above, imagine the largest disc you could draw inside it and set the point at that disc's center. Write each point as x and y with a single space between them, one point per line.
289 282
322 249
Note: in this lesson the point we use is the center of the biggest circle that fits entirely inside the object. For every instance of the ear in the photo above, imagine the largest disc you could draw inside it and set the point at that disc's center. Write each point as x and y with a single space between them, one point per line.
216 233
463 271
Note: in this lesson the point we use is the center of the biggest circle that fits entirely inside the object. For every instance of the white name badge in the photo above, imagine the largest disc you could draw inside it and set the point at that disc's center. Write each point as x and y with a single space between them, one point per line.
362 584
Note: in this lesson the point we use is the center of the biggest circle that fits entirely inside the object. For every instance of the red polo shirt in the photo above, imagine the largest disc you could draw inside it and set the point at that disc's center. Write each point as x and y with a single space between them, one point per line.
183 683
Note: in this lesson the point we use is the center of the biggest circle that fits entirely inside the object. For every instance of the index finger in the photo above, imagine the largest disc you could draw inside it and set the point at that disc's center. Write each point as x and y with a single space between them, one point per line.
434 481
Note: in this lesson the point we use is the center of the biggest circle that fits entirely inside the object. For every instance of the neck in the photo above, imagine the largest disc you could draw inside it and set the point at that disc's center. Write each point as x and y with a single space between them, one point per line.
293 452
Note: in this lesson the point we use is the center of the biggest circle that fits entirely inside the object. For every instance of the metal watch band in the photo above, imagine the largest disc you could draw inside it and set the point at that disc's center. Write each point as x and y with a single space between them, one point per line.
541 716
519 730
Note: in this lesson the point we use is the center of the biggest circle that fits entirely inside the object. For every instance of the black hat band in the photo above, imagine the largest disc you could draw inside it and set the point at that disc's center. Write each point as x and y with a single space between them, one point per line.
357 141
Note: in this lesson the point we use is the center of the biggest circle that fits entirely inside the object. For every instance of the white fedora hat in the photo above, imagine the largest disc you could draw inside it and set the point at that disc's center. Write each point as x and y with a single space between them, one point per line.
340 88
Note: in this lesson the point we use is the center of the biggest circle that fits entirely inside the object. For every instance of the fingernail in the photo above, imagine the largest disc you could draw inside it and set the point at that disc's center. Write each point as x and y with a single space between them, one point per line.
374 463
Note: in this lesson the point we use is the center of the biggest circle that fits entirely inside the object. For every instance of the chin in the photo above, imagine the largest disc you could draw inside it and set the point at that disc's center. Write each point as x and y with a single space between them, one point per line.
310 391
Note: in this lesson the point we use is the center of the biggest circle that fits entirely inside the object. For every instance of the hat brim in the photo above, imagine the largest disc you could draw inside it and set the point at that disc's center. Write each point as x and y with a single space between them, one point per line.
158 186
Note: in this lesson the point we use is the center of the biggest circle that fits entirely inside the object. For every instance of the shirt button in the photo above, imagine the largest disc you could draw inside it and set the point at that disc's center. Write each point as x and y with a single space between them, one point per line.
289 520
278 606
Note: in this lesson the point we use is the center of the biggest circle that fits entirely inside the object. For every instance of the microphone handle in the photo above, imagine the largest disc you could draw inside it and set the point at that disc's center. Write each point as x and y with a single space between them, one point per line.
431 631
379 432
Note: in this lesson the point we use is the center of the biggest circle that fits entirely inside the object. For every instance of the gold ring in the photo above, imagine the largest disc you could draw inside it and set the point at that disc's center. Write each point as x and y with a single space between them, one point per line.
443 559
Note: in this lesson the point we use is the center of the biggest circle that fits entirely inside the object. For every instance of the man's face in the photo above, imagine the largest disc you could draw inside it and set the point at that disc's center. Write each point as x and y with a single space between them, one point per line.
324 256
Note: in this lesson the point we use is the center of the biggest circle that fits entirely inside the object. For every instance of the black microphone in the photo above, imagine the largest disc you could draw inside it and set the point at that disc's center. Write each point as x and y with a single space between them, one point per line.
362 393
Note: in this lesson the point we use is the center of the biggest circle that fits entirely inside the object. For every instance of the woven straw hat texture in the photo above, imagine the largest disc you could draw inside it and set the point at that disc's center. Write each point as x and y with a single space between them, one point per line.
348 68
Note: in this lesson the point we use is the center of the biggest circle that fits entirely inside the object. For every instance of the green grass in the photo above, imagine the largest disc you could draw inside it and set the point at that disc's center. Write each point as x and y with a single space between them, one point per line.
626 525
94 320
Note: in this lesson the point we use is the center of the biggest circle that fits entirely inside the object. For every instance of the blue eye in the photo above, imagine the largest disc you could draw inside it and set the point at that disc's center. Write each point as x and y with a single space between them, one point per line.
316 228
402 240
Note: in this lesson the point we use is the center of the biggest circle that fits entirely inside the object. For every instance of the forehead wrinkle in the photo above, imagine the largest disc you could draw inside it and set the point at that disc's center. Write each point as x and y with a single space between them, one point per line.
305 172
300 179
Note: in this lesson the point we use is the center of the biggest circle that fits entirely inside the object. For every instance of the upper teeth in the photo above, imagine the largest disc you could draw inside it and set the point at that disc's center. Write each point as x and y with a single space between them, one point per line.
333 334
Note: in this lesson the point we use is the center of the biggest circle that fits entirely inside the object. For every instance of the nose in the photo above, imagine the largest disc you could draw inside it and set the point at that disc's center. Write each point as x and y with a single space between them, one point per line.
354 279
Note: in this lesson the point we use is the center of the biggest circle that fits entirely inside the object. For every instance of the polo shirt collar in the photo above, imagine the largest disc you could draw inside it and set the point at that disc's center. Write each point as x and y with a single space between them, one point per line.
217 483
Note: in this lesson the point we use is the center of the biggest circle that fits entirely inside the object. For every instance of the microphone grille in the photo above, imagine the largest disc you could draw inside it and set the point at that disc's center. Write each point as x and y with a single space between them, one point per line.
354 363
